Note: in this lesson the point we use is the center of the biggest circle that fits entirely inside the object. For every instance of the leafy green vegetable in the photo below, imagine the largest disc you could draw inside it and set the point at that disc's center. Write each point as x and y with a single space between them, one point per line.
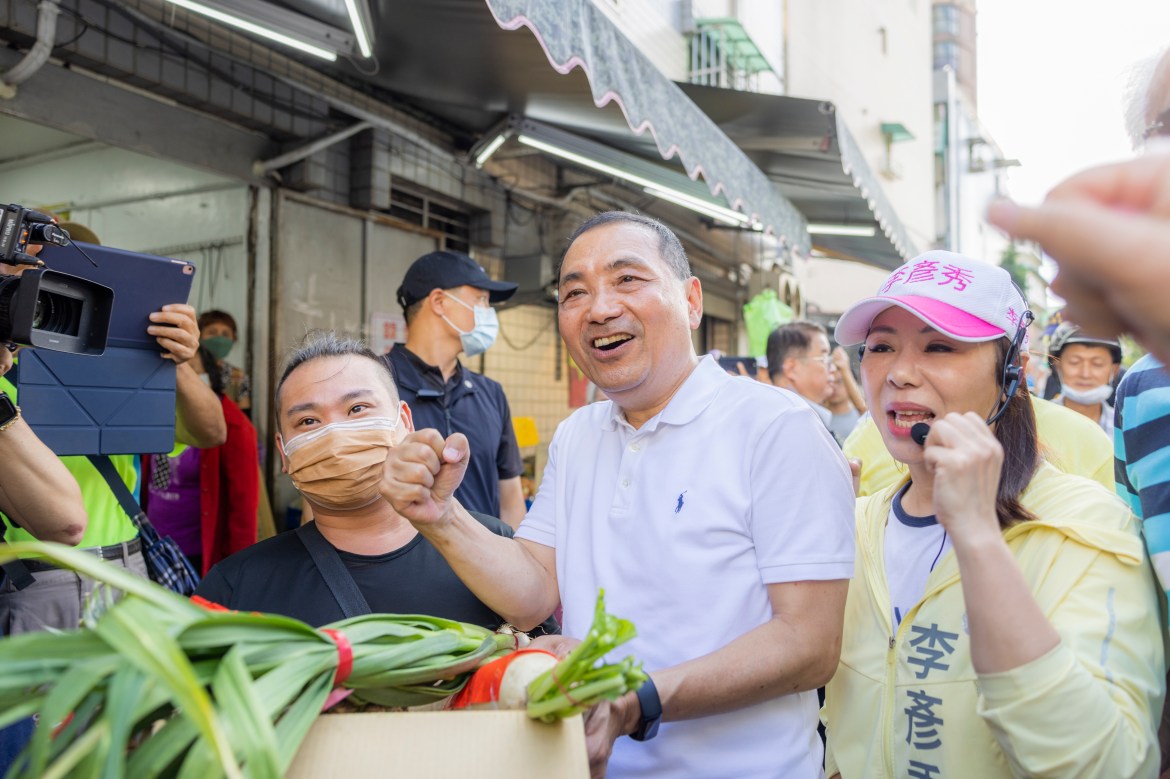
577 682
159 686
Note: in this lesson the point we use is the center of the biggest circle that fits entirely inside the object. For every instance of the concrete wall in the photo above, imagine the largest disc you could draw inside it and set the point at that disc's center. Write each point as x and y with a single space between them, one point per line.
653 27
970 175
872 58
530 360
831 286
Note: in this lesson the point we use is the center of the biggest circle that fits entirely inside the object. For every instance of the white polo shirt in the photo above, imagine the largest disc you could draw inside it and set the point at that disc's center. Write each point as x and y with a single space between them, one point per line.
733 486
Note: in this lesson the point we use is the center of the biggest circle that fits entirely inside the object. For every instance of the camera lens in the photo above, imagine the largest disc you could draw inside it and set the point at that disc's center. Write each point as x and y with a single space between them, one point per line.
43 302
56 313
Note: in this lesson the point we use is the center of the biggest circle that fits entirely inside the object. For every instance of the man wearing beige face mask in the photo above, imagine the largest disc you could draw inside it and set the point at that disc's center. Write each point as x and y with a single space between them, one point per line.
338 414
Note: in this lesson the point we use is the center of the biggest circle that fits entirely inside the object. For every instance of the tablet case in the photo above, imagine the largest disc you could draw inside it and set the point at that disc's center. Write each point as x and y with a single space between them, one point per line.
122 402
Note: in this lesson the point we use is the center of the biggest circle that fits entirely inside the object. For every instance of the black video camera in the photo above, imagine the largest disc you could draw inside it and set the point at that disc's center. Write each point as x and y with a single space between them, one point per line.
43 308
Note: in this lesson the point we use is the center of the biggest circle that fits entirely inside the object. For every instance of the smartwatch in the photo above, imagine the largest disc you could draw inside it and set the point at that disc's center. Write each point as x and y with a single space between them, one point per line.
651 711
9 412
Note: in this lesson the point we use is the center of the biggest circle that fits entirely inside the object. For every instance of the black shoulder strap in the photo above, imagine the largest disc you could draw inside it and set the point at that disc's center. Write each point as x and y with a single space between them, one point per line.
337 577
125 498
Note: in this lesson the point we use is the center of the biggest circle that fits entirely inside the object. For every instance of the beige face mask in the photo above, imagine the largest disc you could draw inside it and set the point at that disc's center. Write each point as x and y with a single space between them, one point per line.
339 466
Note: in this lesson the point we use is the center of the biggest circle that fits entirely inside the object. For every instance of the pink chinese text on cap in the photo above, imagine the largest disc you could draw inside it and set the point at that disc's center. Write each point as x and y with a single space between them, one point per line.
966 299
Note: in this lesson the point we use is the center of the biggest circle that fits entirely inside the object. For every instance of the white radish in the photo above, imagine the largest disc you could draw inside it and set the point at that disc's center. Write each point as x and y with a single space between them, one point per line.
519 674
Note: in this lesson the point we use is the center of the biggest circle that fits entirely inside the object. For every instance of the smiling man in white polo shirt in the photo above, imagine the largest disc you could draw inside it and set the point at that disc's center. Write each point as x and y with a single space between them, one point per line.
716 512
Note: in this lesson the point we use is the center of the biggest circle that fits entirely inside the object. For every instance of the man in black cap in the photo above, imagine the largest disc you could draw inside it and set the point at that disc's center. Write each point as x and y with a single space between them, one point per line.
446 298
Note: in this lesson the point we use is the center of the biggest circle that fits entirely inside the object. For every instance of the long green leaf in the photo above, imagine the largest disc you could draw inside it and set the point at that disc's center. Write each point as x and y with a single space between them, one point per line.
77 683
399 663
294 724
279 687
83 717
127 628
77 751
200 763
245 718
218 629
63 645
162 749
411 695
126 689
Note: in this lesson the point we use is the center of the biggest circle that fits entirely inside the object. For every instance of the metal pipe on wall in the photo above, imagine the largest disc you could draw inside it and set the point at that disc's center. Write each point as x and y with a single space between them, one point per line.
262 167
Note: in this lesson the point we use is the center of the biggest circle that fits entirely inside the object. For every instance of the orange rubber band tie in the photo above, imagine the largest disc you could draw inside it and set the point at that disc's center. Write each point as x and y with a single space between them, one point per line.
344 655
565 692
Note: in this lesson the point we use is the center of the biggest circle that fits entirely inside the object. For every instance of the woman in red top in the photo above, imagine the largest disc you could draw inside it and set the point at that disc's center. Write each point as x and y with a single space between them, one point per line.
206 499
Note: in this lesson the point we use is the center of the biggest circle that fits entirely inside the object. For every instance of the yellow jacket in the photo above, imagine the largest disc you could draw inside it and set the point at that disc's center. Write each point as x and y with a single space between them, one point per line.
911 705
1070 441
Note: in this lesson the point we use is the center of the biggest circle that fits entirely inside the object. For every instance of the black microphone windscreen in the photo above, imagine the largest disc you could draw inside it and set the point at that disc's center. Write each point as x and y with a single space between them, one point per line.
919 433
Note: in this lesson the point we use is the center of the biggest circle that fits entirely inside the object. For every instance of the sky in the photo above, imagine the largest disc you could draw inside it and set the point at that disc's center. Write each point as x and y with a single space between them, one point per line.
1051 79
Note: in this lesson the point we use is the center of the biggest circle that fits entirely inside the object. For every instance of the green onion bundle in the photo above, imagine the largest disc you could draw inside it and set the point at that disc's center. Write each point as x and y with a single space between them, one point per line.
159 686
577 682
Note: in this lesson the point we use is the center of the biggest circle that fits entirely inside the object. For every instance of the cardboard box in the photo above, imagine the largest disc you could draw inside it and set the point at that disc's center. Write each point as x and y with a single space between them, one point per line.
441 744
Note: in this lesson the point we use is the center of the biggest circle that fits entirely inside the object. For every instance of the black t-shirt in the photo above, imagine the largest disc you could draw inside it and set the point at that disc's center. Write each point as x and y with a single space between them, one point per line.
467 403
279 576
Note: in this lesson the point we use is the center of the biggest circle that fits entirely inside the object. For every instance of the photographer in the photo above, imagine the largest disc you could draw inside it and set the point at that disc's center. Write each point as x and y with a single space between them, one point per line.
56 598
37 492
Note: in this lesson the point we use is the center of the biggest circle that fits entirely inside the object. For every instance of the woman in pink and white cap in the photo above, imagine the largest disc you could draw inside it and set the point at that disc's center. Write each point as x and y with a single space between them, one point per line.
1002 620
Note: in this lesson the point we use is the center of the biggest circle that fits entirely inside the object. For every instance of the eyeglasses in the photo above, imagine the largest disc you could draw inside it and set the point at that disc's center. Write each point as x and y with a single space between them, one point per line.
824 359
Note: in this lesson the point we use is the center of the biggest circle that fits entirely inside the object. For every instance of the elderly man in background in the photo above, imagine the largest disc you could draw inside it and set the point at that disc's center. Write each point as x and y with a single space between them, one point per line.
799 360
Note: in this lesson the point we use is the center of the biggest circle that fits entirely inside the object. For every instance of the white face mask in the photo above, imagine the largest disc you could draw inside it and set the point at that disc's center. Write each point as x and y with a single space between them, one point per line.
483 334
1089 397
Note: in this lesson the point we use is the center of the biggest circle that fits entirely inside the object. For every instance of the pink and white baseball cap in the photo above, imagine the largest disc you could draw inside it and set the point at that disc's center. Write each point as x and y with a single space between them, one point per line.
966 299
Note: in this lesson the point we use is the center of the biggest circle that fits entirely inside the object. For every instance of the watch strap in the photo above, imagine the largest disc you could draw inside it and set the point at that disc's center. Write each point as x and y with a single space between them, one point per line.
651 705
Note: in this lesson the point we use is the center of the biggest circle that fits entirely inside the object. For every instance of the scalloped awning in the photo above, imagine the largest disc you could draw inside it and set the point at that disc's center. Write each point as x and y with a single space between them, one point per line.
805 148
573 69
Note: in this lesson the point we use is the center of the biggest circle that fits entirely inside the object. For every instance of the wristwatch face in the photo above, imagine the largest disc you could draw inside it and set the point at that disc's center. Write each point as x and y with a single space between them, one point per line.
7 409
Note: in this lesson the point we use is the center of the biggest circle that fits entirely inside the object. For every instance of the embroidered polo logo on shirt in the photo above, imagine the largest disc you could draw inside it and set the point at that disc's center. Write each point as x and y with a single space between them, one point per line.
679 507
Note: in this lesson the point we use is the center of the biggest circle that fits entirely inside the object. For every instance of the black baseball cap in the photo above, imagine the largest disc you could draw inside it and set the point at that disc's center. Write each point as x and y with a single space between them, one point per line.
447 270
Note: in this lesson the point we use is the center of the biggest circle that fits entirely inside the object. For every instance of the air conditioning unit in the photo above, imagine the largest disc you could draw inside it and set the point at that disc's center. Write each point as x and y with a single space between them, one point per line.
536 275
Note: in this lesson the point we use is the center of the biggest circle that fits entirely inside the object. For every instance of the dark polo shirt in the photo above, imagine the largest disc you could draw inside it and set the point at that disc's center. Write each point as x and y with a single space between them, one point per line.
467 403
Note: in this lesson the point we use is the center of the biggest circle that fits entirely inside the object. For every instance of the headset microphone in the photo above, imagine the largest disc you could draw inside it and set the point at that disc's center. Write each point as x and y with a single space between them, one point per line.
919 433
